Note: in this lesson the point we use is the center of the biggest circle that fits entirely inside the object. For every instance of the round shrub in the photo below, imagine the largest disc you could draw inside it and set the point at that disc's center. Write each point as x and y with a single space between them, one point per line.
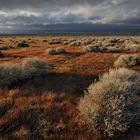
65 43
10 74
55 41
75 43
93 48
127 61
50 51
35 67
60 51
132 47
23 44
112 102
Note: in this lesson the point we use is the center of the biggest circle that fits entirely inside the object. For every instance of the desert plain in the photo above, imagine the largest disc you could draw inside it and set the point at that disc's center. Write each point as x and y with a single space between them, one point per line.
46 106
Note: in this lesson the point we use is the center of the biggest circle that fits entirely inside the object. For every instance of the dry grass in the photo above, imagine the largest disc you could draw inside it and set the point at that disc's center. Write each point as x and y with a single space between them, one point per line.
5 105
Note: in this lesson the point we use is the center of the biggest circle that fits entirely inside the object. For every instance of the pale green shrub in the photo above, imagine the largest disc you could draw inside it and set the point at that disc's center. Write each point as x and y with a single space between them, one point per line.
127 61
112 102
35 67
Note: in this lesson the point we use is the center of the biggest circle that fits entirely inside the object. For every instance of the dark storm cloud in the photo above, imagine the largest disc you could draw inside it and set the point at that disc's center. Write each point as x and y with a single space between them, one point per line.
15 13
37 4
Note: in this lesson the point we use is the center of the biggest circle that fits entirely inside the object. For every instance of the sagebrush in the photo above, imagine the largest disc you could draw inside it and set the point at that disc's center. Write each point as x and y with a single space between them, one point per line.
35 67
127 61
112 102
11 74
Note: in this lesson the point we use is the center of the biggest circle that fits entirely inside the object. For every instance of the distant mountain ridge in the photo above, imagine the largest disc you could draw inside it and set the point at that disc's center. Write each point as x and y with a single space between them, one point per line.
74 28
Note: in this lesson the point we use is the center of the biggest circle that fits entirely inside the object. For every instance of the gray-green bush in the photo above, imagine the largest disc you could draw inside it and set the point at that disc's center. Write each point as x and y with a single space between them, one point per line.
60 50
50 51
127 61
112 102
35 67
11 74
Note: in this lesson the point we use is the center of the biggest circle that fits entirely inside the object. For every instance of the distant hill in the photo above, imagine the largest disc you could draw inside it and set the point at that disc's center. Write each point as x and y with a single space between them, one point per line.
75 28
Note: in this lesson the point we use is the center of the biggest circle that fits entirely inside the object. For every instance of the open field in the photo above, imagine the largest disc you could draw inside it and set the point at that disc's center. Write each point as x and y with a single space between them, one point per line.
45 105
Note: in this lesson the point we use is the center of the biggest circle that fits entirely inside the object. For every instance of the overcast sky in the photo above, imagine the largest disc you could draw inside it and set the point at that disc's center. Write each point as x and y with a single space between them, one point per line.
23 13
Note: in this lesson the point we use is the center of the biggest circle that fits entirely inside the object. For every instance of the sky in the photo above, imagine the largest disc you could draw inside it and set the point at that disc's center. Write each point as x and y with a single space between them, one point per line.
29 15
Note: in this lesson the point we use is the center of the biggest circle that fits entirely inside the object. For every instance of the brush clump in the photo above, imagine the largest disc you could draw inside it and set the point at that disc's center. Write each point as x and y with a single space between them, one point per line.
127 61
12 74
112 102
